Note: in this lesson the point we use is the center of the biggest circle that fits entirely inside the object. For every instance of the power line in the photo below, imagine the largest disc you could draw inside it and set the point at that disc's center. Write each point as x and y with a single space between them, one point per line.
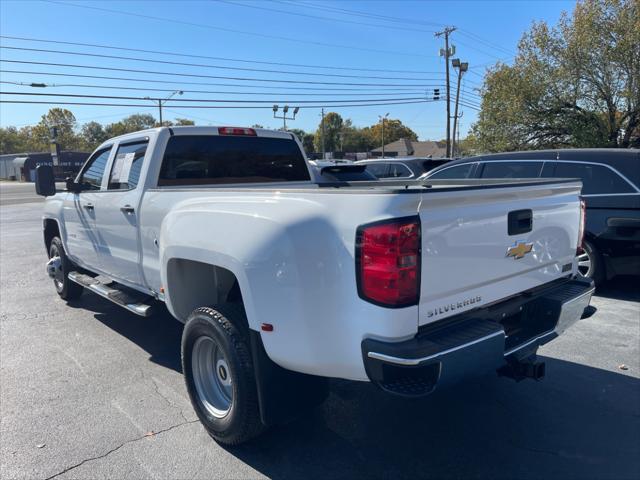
242 32
332 105
243 79
360 13
222 67
404 21
495 46
202 100
472 107
216 92
330 19
207 57
185 82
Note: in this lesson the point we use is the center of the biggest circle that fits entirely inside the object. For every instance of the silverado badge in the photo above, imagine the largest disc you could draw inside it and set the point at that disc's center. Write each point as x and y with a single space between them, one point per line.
519 250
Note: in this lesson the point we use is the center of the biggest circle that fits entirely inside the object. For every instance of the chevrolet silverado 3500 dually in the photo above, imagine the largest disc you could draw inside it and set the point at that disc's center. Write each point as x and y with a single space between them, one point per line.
284 280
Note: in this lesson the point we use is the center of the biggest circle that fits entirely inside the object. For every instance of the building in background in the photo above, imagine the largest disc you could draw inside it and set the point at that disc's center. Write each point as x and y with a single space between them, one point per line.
409 148
22 166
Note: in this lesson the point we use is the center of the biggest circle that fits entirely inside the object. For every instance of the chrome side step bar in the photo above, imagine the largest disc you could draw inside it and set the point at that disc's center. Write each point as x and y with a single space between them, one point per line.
122 296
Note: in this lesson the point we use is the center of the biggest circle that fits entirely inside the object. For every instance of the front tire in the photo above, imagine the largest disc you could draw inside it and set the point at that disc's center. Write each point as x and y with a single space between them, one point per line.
66 289
219 375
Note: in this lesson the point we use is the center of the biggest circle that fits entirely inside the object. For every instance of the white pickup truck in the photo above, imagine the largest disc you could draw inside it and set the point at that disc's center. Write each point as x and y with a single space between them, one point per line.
284 280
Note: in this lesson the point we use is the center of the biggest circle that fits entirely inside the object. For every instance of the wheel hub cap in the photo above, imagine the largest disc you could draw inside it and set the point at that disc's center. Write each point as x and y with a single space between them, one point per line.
211 377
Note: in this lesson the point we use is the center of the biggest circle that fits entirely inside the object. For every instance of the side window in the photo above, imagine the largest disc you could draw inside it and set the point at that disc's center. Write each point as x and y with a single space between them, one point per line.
398 170
548 169
380 170
125 171
596 179
93 171
459 171
511 169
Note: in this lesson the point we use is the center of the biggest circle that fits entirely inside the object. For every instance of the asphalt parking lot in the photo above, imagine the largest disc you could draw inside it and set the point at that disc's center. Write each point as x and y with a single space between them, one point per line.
88 390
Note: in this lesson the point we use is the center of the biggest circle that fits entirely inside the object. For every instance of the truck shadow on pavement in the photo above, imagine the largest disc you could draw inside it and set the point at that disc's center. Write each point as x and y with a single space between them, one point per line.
579 422
159 335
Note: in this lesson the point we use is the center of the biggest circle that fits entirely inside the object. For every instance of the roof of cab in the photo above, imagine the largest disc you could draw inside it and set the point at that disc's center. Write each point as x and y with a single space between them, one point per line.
213 130
195 130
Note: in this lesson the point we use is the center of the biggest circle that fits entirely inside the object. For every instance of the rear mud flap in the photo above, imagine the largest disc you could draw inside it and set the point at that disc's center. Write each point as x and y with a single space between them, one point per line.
283 395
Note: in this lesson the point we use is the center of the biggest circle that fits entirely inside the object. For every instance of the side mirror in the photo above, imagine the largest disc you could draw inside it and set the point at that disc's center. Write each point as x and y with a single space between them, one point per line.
45 181
72 186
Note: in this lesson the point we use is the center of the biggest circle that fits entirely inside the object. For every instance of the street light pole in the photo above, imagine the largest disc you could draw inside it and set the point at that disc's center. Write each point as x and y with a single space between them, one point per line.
284 117
461 67
382 118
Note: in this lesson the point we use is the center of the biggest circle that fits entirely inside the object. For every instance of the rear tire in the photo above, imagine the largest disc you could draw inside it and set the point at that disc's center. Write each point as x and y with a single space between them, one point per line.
591 264
66 289
219 374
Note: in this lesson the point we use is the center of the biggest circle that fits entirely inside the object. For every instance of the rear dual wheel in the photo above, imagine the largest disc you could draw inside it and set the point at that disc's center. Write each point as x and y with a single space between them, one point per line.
218 371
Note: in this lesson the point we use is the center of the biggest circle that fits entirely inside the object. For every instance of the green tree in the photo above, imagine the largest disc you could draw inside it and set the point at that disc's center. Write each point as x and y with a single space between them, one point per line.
130 124
11 141
333 124
393 130
93 134
183 122
576 84
39 136
355 139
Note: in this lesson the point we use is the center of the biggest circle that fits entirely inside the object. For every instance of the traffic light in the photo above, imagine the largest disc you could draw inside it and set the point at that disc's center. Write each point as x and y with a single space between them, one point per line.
436 94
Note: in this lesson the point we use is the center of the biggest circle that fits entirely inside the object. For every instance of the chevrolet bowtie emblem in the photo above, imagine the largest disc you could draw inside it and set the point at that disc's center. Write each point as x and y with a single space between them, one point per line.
519 250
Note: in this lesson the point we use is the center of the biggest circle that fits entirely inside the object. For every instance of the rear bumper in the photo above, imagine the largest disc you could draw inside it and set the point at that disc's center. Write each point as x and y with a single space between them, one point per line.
476 342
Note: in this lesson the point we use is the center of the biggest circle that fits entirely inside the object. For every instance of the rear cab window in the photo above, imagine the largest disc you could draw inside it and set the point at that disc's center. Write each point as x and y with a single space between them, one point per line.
222 159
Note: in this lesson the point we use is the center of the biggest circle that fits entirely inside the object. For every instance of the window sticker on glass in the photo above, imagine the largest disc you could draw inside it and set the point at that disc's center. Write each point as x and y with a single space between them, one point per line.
122 167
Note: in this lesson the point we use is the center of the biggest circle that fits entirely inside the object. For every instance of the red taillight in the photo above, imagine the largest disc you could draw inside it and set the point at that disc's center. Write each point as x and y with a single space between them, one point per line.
388 262
583 218
236 131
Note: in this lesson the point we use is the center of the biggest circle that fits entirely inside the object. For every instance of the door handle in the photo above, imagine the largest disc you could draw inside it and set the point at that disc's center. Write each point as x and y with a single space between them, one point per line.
128 209
88 206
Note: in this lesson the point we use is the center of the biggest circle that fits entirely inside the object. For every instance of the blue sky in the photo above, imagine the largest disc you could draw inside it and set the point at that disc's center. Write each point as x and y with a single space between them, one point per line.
348 38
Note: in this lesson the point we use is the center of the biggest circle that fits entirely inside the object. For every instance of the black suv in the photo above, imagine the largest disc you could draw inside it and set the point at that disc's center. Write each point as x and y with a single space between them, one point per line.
610 188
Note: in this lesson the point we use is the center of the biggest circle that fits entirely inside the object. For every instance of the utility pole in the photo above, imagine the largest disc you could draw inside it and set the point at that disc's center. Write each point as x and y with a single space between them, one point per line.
162 101
461 67
322 133
446 53
382 118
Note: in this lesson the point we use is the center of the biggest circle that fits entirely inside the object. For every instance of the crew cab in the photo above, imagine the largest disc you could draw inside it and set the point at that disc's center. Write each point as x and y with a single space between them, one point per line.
284 280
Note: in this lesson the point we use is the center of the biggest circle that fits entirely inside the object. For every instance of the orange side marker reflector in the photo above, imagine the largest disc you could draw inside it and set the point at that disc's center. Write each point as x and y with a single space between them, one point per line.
161 289
266 327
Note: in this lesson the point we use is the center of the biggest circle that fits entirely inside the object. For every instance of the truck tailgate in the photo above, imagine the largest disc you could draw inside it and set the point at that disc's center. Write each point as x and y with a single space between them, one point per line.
475 253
